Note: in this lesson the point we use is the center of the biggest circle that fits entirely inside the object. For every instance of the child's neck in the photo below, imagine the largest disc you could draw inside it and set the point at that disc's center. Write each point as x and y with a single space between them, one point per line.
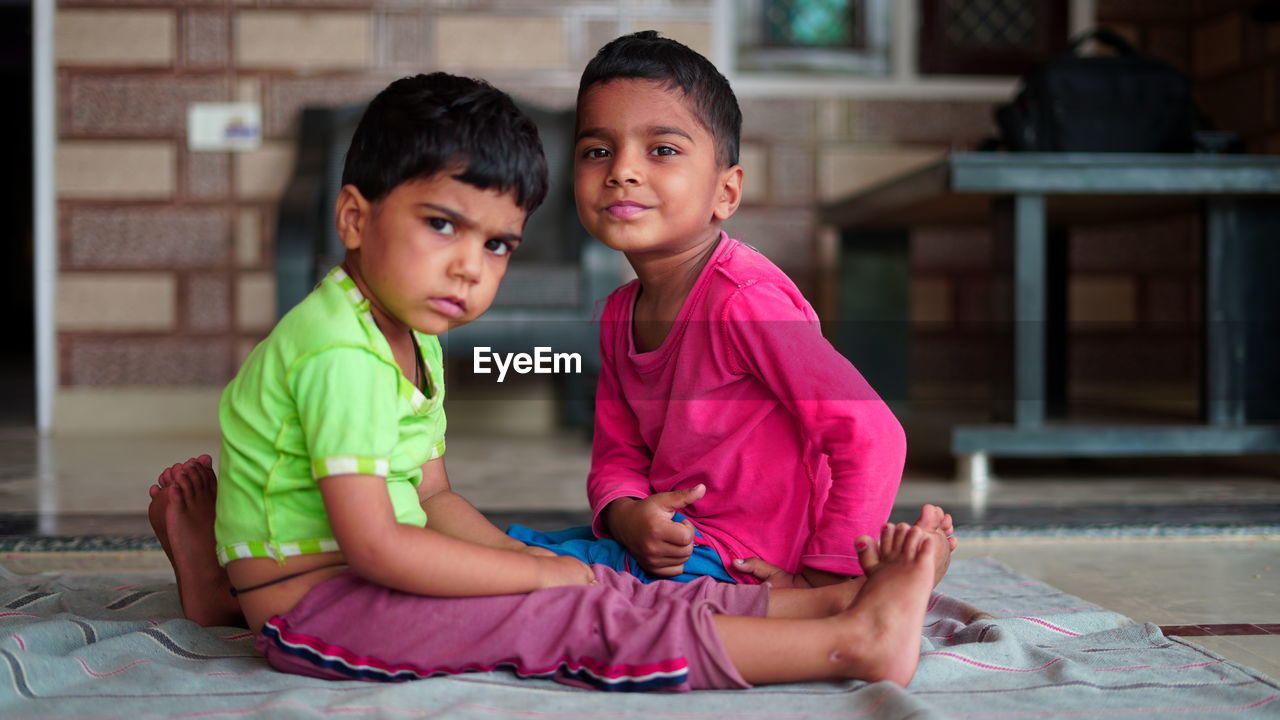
670 276
398 335
665 282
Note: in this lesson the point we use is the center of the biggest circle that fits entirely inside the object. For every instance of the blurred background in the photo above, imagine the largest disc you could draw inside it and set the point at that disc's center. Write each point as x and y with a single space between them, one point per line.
174 251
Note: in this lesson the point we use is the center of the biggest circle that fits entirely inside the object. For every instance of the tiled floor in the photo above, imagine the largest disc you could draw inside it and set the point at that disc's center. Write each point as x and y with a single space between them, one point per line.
97 485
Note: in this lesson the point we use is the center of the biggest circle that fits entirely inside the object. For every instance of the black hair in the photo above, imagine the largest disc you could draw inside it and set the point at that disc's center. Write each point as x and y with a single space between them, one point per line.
426 124
649 56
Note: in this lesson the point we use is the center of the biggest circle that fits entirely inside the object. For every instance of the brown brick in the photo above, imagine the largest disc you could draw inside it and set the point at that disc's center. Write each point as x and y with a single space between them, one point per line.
952 123
1102 301
947 358
255 301
263 173
116 301
116 169
974 300
119 37
851 169
1172 244
1213 8
405 40
206 38
1239 102
287 97
1171 44
303 39
599 31
248 89
120 361
551 98
792 174
1109 11
950 248
149 104
315 3
1254 40
146 237
1217 45
208 175
97 4
832 119
779 119
1132 356
696 34
470 43
248 238
930 300
1166 301
784 235
755 178
207 302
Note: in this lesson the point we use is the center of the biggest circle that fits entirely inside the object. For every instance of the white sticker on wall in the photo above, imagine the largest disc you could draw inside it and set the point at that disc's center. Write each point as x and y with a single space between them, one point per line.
224 126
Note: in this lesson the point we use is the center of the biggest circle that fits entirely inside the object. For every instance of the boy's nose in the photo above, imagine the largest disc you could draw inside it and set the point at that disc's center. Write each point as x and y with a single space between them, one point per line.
468 261
622 172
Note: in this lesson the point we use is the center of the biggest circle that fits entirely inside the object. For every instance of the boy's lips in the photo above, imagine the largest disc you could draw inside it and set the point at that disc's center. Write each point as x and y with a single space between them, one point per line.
625 208
451 306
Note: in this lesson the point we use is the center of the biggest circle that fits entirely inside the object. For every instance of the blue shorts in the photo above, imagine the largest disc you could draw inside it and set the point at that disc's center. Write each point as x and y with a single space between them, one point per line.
581 543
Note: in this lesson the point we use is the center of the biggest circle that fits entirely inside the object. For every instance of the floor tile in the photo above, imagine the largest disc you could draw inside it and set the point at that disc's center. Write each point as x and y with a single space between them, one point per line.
1260 652
82 486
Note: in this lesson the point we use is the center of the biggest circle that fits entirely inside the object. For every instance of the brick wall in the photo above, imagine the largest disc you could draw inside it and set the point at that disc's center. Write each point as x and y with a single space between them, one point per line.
166 254
166 276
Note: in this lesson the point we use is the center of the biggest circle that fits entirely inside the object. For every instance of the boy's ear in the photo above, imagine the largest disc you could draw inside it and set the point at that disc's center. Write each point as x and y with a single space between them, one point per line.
730 194
352 216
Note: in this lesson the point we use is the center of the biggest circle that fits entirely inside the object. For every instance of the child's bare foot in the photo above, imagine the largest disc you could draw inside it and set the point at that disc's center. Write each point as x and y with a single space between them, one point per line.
935 519
181 514
884 623
932 520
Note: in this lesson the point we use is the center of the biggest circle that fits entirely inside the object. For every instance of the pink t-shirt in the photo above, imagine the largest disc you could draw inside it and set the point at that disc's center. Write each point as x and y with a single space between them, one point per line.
798 453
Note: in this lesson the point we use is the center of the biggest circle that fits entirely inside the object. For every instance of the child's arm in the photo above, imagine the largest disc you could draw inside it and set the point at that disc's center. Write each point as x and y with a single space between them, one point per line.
425 561
451 514
776 337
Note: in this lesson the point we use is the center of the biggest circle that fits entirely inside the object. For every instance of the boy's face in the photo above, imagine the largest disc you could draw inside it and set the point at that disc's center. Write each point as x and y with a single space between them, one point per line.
430 255
645 172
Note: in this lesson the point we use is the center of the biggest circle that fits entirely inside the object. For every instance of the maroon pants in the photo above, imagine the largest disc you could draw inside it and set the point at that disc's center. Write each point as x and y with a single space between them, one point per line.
620 634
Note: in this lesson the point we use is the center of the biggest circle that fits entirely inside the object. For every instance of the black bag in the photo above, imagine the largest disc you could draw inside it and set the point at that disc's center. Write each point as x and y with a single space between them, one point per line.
1125 103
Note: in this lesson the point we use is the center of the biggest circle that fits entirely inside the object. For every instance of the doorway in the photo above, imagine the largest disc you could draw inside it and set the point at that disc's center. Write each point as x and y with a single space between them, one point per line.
17 320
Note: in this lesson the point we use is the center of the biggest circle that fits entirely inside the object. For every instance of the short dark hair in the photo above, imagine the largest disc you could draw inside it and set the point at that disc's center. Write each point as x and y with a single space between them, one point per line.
649 56
425 124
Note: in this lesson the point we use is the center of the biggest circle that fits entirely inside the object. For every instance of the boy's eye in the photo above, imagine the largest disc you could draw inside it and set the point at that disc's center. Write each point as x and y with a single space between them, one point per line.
595 153
441 225
498 247
664 150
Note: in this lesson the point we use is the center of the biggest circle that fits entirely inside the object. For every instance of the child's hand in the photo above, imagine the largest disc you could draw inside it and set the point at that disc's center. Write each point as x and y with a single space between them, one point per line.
562 570
772 574
645 528
536 551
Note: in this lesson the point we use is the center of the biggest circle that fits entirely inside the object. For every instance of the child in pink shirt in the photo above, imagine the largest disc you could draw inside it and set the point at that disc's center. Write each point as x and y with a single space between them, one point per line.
720 406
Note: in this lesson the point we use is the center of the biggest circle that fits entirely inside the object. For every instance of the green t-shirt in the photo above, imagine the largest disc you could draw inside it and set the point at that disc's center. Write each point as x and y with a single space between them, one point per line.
321 396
